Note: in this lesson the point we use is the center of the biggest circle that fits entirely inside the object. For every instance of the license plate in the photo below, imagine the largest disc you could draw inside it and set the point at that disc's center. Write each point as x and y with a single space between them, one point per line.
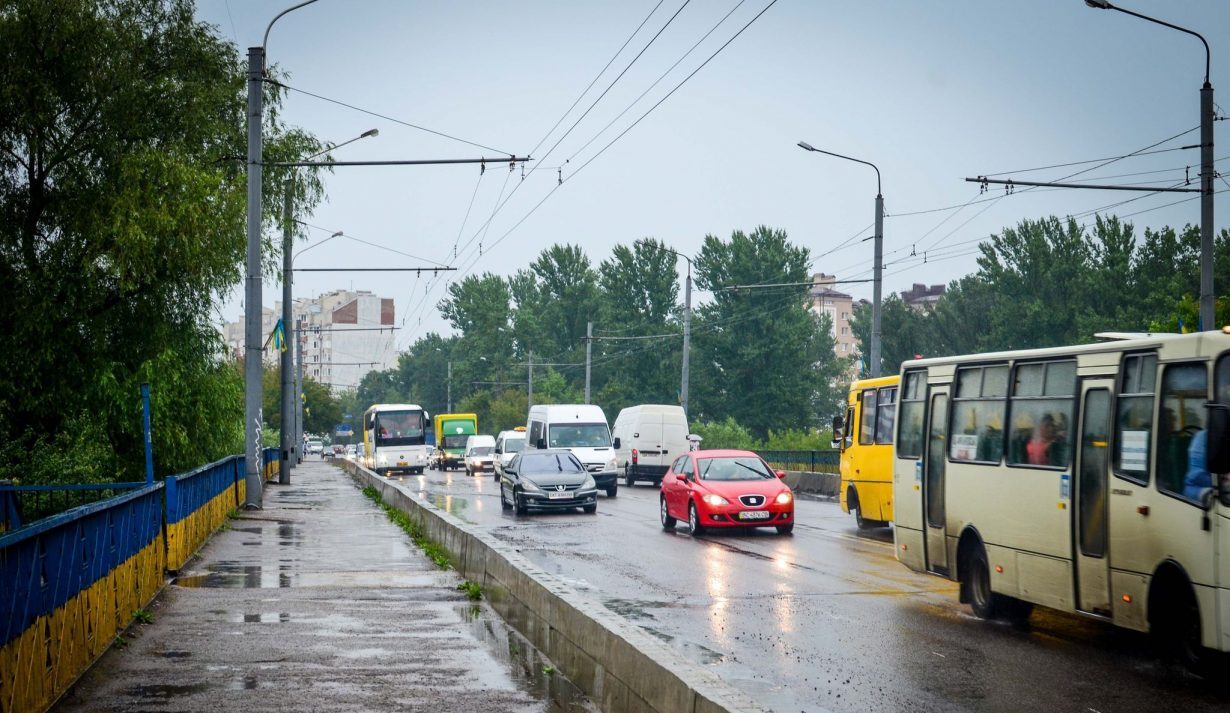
754 515
559 495
402 462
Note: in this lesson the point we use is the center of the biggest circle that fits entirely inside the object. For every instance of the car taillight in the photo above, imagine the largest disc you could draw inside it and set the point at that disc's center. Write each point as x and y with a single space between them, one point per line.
635 455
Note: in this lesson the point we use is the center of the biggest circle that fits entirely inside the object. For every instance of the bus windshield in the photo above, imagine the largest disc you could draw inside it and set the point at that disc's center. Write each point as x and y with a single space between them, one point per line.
457 441
399 428
580 435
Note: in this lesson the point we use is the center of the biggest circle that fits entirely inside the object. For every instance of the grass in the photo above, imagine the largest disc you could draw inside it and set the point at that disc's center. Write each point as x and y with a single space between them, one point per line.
548 669
143 616
473 590
433 550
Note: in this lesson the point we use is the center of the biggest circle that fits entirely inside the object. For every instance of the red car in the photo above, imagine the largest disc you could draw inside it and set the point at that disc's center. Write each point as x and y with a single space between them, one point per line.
723 488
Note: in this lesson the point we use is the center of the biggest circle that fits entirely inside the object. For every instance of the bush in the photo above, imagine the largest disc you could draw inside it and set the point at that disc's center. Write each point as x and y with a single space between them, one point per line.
725 434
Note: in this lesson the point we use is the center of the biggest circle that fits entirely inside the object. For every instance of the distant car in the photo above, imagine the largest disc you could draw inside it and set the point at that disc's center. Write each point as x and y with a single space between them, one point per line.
547 479
480 455
507 445
315 448
725 488
351 451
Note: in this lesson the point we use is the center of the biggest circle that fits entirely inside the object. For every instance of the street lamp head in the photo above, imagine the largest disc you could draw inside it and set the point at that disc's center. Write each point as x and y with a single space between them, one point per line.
1099 4
369 132
806 146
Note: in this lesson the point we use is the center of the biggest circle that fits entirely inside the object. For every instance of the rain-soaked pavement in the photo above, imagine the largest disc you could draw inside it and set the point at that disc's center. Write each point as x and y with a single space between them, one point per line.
319 603
825 618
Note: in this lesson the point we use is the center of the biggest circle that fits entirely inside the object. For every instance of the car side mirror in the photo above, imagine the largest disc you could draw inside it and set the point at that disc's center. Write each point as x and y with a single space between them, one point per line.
781 473
541 444
616 443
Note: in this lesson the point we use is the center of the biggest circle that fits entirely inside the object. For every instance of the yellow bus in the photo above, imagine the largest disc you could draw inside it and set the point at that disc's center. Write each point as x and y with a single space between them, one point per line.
1088 479
867 451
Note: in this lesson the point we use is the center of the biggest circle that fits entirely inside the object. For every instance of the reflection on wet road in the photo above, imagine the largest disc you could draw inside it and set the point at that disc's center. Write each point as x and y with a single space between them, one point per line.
826 618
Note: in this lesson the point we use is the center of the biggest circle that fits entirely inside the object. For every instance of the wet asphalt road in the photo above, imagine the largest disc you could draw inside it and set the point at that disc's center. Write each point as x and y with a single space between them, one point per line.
826 618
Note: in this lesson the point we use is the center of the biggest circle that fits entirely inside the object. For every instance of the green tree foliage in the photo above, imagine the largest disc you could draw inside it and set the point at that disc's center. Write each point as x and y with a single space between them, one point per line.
762 355
122 191
727 433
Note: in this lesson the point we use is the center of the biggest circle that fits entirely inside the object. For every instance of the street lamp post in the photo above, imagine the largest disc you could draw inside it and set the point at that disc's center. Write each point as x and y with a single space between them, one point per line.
687 330
1206 166
252 287
289 444
878 269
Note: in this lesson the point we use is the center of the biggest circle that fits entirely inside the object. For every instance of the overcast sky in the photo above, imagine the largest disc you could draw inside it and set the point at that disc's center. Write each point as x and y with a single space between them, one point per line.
931 92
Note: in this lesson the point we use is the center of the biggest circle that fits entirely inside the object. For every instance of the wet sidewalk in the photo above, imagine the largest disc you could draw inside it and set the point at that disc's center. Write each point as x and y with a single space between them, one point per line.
315 603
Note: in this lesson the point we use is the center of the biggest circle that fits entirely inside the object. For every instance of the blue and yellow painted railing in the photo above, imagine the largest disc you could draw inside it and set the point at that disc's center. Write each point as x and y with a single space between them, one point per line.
71 582
76 579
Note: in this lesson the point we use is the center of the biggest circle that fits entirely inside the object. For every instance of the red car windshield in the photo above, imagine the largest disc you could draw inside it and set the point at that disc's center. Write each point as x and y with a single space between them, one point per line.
737 468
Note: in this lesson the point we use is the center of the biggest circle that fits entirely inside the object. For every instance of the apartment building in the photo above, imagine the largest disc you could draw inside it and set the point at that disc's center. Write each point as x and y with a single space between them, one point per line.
839 306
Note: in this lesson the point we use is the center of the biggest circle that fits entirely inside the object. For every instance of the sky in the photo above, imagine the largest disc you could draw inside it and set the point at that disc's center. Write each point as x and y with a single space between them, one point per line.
930 92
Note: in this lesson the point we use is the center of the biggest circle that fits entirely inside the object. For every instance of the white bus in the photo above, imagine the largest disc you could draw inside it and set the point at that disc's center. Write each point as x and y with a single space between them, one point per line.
1075 478
396 438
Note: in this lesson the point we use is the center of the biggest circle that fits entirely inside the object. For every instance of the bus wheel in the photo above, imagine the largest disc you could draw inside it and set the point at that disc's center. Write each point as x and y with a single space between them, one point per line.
1175 626
853 506
976 585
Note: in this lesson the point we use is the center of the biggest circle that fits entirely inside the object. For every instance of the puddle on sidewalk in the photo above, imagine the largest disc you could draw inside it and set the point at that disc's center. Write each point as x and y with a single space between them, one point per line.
526 664
239 577
262 618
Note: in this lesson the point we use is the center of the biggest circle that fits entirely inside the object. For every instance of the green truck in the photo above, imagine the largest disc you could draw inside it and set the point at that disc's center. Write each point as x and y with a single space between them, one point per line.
452 431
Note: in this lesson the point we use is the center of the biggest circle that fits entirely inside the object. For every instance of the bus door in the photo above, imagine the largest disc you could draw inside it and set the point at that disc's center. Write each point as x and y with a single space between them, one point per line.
1089 498
934 461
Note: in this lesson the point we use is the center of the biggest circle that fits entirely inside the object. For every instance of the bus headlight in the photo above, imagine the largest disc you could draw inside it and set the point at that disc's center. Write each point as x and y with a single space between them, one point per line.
382 460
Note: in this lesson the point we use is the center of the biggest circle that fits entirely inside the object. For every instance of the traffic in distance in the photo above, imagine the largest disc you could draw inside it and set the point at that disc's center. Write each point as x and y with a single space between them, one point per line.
1089 479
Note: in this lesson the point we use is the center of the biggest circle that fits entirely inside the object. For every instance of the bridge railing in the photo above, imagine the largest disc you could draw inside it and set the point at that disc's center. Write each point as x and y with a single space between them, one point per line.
70 582
803 461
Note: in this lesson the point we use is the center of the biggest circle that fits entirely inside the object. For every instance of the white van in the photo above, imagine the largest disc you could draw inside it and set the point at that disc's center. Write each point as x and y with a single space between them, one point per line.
648 438
507 445
580 428
480 454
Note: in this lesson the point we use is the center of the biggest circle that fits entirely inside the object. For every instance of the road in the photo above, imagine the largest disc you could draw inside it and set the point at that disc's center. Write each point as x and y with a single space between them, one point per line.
826 618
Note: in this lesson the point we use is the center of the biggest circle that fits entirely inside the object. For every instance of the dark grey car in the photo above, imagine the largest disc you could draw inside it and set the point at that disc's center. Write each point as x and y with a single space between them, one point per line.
547 480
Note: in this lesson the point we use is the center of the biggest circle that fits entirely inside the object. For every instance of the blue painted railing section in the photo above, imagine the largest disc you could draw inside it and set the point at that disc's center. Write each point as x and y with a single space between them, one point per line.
188 492
53 560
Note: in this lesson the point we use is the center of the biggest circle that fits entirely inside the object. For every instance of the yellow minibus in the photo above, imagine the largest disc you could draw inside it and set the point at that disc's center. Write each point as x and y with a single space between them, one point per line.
867 451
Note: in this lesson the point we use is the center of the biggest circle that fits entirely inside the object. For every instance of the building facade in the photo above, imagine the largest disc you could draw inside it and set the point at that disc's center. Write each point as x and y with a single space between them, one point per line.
839 306
343 335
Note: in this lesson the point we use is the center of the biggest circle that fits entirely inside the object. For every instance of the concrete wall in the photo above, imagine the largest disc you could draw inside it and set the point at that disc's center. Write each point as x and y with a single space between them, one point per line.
823 484
617 664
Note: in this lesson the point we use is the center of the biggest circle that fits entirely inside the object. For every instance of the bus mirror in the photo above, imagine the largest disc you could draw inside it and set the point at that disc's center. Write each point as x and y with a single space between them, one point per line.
616 443
541 444
1217 453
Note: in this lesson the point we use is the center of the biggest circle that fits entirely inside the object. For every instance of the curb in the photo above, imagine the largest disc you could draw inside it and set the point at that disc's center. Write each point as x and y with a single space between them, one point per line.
619 666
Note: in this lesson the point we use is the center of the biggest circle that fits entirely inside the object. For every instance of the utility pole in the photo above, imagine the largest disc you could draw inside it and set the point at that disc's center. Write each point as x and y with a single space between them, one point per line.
449 388
252 291
589 344
529 401
298 395
288 332
687 337
878 277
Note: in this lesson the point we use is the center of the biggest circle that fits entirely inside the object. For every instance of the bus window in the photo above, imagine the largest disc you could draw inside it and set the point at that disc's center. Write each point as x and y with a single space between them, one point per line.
867 419
886 411
910 436
1184 392
977 430
847 438
1041 414
1134 417
1093 466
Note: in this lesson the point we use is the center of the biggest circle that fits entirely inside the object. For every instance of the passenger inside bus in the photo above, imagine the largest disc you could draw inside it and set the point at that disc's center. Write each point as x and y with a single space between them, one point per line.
1198 477
1047 446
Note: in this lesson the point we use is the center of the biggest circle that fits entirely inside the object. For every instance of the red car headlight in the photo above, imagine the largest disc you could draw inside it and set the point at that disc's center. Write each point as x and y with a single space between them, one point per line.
712 499
784 498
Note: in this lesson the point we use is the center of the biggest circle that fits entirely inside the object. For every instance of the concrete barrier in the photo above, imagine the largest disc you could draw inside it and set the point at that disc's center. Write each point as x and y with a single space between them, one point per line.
823 484
615 662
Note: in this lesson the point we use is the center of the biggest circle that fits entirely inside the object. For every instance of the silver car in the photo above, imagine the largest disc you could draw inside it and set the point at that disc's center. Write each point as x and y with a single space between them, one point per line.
547 480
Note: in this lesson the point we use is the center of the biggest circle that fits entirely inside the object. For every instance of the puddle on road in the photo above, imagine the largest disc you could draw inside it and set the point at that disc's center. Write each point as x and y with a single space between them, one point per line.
527 665
175 654
638 612
166 690
262 618
238 577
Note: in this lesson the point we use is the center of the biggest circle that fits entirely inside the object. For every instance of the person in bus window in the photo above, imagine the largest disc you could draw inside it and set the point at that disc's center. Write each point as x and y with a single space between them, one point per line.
1038 450
1198 477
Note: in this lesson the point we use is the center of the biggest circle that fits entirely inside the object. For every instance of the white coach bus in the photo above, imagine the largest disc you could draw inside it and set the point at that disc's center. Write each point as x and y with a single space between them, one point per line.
1075 478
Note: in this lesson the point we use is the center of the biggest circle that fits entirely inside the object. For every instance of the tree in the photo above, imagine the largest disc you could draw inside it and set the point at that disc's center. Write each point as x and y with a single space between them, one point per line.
122 196
761 356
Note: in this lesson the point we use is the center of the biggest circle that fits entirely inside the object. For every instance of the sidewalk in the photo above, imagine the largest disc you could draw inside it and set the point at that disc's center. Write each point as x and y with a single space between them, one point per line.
316 603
